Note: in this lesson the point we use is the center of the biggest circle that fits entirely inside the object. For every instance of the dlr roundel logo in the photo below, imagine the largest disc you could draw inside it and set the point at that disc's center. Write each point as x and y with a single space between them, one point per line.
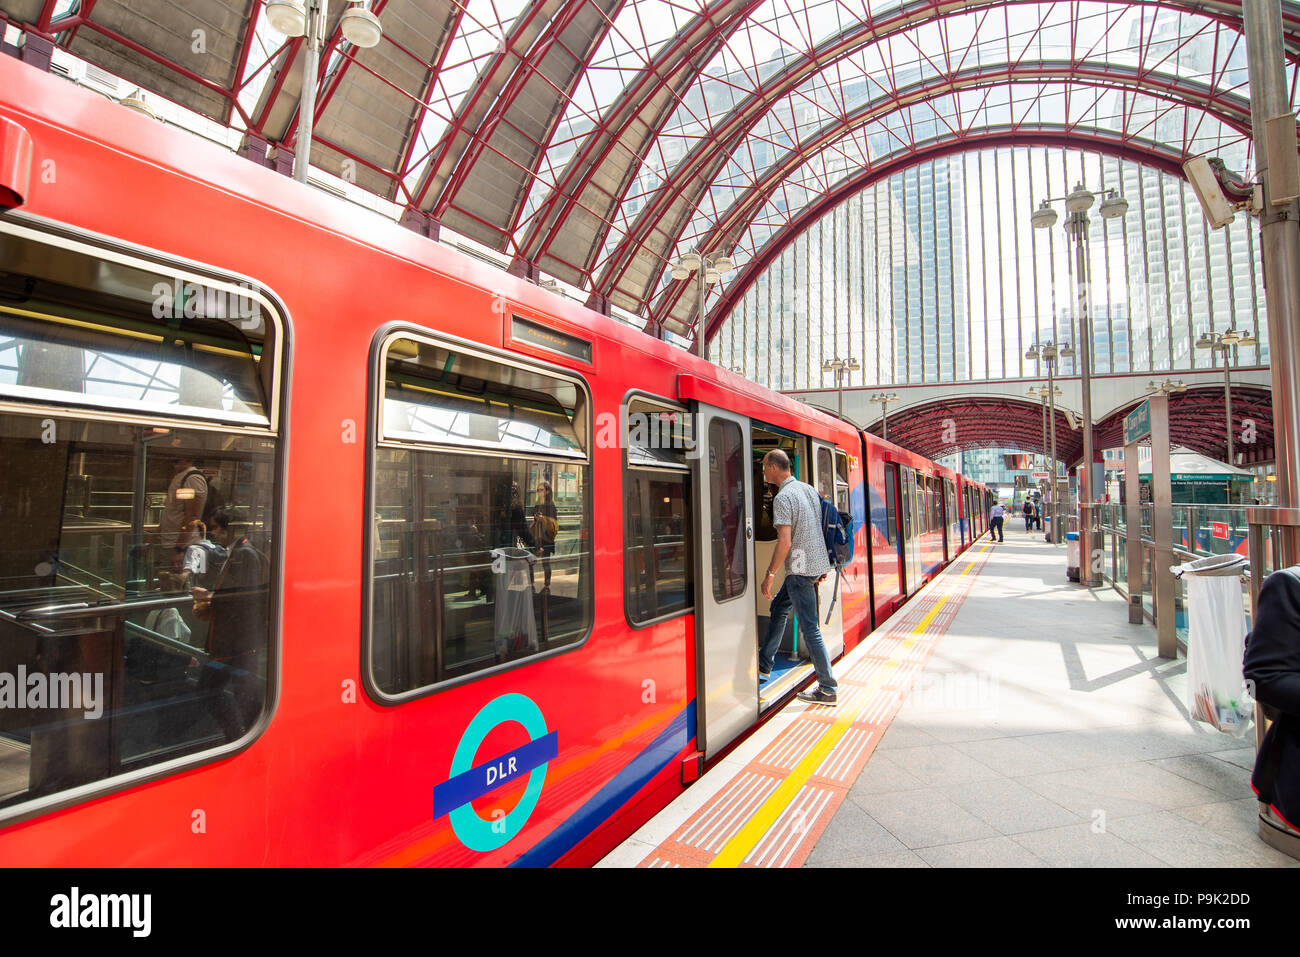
466 782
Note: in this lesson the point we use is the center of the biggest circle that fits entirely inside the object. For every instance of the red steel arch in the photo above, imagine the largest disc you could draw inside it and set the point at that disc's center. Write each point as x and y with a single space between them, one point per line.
1196 420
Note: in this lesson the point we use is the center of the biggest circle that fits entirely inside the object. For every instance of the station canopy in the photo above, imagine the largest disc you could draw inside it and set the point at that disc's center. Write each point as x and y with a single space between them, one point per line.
596 141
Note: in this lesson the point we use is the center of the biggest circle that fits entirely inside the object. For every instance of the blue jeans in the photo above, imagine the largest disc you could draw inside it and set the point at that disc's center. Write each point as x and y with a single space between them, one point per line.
798 591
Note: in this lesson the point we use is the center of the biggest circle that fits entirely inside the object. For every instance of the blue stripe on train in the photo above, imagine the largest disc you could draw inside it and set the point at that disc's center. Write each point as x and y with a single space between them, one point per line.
653 759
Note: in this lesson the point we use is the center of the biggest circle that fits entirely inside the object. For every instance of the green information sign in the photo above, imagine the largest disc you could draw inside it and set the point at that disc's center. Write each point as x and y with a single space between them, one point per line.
1137 424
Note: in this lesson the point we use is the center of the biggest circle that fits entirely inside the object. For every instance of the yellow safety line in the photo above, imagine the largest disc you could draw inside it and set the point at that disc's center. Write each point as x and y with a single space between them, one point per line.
743 841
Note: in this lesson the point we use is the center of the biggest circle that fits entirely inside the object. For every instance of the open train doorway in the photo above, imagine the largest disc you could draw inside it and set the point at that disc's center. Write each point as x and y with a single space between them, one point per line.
811 461
736 540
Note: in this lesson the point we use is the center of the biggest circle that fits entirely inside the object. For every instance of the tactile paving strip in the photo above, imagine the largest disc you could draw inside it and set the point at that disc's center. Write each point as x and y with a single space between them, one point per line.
772 813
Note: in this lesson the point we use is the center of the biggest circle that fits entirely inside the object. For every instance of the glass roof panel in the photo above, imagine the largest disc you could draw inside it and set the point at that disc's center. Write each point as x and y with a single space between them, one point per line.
1146 121
480 33
1155 44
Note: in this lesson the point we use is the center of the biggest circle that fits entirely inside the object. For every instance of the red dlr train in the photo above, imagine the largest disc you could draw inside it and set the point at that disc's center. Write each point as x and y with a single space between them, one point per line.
323 543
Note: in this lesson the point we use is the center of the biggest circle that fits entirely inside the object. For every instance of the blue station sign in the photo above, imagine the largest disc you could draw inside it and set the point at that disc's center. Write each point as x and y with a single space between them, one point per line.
1137 424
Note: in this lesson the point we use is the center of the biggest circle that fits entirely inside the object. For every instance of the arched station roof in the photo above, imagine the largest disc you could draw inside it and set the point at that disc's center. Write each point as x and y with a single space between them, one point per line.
597 140
1196 420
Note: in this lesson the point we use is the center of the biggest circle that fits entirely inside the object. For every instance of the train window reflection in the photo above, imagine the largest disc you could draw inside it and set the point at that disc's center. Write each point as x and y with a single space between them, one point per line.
479 560
134 597
136 611
658 435
841 481
436 396
729 546
657 559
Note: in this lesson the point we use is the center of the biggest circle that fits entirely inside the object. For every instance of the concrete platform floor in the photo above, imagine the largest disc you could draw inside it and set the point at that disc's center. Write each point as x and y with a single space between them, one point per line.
1045 732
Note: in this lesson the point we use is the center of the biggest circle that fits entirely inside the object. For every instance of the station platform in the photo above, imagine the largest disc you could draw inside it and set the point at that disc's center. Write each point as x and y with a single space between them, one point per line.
1005 718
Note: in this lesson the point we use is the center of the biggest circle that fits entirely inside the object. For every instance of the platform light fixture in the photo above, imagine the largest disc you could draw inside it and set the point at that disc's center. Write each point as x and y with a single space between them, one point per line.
1051 352
307 18
841 368
1040 392
710 269
360 26
886 399
287 16
1167 387
1077 204
1223 342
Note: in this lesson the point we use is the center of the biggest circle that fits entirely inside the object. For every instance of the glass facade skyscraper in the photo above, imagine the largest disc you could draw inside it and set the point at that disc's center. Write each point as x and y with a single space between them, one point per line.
935 275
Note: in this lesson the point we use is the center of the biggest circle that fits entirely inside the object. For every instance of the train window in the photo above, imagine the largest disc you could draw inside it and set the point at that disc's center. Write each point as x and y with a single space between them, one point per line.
730 549
891 504
657 560
841 481
86 328
436 396
480 558
658 435
658 573
764 439
825 474
140 462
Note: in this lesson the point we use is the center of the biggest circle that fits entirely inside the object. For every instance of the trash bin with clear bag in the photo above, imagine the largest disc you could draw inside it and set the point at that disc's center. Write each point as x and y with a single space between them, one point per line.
1216 641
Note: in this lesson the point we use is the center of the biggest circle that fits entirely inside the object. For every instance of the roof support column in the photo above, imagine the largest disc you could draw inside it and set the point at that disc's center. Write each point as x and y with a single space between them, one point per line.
1280 240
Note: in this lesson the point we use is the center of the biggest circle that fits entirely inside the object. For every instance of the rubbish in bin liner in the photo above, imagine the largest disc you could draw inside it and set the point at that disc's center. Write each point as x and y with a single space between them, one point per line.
515 627
1072 556
1216 641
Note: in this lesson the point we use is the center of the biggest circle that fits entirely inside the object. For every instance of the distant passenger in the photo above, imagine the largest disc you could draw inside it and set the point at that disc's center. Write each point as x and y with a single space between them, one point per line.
186 495
545 527
801 546
995 522
237 609
1028 512
1038 515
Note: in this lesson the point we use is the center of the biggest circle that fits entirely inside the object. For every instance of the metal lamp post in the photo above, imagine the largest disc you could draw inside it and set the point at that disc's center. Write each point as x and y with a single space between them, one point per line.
307 18
1049 352
885 399
1223 342
710 270
1077 205
841 368
1042 392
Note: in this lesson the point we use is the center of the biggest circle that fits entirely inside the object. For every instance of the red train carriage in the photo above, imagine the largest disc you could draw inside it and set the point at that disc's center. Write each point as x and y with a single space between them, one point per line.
491 599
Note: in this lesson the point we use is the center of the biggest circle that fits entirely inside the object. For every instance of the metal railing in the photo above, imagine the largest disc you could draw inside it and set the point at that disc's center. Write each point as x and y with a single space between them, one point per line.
1195 535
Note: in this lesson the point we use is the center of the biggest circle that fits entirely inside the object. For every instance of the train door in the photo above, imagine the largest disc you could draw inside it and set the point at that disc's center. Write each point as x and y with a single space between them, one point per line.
726 650
824 482
912 527
951 524
892 521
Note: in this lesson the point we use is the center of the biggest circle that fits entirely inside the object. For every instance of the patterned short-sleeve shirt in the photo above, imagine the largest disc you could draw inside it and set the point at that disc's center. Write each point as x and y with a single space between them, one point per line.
797 504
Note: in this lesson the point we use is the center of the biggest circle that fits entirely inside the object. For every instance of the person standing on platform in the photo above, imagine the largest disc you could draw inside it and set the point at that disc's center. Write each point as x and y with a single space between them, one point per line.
801 548
1272 667
995 522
